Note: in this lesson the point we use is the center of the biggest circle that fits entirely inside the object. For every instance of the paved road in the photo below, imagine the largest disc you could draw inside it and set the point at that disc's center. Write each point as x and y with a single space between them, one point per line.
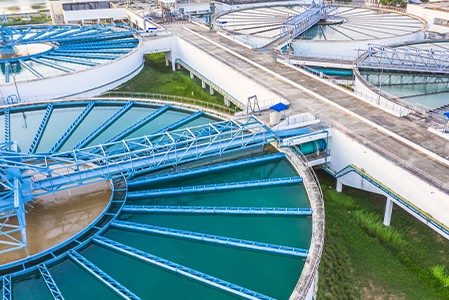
414 131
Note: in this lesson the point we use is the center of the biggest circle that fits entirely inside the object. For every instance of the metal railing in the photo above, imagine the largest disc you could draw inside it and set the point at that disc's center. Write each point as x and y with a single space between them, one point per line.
393 158
165 97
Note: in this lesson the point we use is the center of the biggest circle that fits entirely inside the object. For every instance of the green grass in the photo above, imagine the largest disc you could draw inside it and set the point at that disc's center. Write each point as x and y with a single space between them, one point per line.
362 259
156 77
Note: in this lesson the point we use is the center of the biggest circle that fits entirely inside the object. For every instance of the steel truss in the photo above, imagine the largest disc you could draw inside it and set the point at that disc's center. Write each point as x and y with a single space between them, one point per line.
25 176
405 59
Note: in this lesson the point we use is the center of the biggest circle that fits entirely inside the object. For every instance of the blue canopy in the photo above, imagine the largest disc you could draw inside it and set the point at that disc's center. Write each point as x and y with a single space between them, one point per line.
447 114
279 107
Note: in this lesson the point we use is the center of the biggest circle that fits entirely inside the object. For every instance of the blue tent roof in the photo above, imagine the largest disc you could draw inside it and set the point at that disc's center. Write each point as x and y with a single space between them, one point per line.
447 114
279 107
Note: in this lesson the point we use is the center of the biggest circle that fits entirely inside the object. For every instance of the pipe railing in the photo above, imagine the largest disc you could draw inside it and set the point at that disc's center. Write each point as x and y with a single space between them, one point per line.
393 158
165 97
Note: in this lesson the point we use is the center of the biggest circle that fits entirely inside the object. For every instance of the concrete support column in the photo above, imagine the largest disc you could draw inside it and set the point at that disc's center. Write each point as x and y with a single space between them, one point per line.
227 102
339 187
203 84
191 75
211 90
173 66
388 211
166 60
179 66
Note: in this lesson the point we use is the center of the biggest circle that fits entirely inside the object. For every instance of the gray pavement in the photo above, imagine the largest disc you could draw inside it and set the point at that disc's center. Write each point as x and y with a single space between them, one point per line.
414 131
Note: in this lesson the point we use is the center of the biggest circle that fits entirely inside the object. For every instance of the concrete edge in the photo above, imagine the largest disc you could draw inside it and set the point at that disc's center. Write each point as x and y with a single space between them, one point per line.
306 286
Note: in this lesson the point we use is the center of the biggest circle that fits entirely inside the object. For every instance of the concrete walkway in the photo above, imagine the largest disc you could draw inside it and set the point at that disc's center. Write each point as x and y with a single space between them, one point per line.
302 101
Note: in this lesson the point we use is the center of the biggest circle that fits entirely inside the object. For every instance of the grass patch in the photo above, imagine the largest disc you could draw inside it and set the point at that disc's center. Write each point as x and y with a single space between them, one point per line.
362 259
440 273
156 77
372 224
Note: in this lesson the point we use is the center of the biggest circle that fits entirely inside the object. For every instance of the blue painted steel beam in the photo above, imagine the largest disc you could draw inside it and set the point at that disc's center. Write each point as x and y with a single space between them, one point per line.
179 269
206 169
214 187
37 138
221 210
52 65
6 287
102 276
121 135
7 125
181 122
210 238
84 56
7 71
24 33
66 135
117 115
31 69
73 61
126 45
96 51
40 33
50 282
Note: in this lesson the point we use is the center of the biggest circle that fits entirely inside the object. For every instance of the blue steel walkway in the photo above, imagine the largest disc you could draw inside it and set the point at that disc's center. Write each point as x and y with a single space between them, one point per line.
210 238
214 187
222 210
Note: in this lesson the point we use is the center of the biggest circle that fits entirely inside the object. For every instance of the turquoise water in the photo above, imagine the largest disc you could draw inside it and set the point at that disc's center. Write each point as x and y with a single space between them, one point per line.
413 87
279 168
60 119
334 72
283 196
75 283
149 282
31 287
257 228
273 275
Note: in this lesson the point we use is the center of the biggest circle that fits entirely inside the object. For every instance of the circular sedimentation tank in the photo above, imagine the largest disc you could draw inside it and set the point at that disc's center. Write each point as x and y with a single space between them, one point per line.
348 28
67 226
421 90
43 62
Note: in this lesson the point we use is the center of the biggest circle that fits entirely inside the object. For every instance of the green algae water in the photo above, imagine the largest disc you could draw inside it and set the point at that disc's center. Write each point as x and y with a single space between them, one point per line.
268 273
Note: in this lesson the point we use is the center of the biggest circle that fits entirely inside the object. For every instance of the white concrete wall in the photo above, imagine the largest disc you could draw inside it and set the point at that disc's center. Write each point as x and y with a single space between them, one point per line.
429 15
345 151
236 84
85 83
158 44
94 14
345 49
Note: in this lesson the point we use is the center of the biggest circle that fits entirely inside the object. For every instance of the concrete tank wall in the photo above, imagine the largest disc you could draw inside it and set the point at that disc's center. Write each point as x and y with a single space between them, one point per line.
240 86
85 83
345 150
345 49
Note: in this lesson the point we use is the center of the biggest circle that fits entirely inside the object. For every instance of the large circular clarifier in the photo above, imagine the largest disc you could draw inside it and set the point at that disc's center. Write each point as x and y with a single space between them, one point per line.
240 217
346 28
46 62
